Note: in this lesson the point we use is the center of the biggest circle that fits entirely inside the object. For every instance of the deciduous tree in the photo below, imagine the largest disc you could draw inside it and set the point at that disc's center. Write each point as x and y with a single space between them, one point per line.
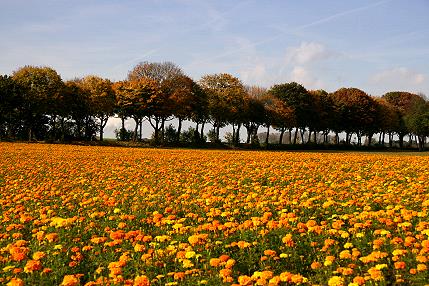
101 99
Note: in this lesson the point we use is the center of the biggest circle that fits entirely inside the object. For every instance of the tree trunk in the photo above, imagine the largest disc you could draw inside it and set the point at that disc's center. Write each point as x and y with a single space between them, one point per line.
302 133
282 131
63 129
136 129
179 129
217 133
370 139
255 134
233 134
237 135
54 127
202 131
101 130
309 136
268 135
290 135
294 136
249 132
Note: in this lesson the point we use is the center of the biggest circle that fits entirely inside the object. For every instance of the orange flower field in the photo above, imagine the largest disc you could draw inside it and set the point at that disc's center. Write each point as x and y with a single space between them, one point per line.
76 215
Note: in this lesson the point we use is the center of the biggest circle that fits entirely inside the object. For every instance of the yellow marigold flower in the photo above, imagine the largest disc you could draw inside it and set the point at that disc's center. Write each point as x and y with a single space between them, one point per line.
328 260
380 266
345 254
187 263
39 255
421 267
375 274
190 254
348 245
336 281
193 239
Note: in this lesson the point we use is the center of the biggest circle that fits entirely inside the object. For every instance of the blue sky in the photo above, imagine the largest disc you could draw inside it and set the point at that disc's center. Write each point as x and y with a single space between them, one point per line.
377 46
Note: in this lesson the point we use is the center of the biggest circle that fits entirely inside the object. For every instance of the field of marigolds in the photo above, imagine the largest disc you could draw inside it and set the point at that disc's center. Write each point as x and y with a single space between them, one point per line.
76 215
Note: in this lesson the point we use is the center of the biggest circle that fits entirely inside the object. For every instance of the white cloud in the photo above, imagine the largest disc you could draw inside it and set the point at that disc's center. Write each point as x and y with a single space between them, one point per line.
307 53
398 76
303 76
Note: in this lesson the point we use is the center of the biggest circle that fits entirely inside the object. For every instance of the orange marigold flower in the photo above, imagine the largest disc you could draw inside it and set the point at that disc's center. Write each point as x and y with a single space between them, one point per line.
400 265
269 252
244 280
70 280
179 275
214 262
32 265
375 274
359 280
141 281
287 239
15 282
315 265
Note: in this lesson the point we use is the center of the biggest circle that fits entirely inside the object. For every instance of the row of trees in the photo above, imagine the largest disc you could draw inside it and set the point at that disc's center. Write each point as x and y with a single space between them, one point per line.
36 104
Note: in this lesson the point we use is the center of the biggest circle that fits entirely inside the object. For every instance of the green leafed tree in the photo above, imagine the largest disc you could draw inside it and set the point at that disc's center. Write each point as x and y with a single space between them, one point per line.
254 112
417 122
10 103
41 90
225 94
404 103
296 97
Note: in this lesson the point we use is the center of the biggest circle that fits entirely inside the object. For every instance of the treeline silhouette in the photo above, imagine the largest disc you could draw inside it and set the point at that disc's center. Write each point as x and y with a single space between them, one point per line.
36 104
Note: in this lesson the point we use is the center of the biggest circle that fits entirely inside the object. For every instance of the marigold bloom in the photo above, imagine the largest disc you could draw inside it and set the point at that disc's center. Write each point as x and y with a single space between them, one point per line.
70 280
39 255
214 262
141 281
336 281
15 282
32 265
244 280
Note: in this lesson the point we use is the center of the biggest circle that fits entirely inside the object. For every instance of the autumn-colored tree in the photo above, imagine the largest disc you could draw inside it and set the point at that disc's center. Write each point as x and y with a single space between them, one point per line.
158 72
134 99
296 97
357 111
184 95
225 95
41 88
161 106
282 117
404 103
101 99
